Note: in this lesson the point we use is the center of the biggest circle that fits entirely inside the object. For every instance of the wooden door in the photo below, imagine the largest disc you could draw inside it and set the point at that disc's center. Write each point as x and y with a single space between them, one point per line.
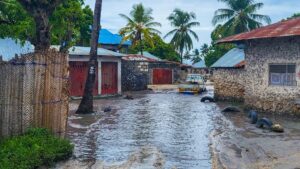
162 76
78 75
109 78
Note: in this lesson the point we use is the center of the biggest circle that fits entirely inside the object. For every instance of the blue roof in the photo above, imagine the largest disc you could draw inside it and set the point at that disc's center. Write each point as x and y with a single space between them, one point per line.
108 38
149 55
200 64
10 47
230 59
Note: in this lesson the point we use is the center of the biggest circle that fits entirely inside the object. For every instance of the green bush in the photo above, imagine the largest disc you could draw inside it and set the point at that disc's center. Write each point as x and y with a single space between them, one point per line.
35 148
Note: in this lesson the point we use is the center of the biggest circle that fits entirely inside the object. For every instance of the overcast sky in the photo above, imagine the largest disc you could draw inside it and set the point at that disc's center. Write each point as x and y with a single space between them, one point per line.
204 9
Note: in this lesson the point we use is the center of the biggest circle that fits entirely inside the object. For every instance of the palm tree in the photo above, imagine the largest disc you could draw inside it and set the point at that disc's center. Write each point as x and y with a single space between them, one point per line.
140 26
240 16
86 104
182 21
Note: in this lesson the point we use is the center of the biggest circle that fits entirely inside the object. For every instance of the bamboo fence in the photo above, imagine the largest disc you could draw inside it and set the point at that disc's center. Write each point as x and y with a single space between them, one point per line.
34 93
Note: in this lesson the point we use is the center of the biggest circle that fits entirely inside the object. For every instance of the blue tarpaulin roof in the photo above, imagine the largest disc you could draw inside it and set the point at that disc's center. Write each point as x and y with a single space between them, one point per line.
200 64
230 59
108 38
10 47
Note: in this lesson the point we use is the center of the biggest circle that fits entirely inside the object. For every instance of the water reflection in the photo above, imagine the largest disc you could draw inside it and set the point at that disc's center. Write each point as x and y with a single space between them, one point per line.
178 125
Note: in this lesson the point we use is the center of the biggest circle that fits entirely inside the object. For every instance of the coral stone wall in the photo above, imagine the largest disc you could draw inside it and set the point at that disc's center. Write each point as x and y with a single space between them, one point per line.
135 75
259 94
229 84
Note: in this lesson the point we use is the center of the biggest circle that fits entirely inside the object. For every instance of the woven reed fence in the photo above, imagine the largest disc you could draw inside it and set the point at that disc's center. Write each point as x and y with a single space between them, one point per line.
34 93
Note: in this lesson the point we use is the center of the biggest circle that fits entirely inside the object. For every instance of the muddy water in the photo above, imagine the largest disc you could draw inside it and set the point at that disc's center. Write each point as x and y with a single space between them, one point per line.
178 126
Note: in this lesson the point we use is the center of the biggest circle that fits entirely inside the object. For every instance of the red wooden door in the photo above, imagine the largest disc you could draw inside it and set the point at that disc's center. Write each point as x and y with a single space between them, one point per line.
162 76
78 73
109 78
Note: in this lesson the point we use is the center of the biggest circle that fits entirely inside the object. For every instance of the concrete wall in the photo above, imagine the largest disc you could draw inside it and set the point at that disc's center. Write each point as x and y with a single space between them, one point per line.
259 94
229 84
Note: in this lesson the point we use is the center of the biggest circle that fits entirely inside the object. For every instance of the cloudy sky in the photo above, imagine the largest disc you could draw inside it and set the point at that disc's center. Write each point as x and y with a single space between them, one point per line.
204 9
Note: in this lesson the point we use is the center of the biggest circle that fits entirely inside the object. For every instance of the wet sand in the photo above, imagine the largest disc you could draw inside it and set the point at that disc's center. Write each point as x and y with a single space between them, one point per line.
237 144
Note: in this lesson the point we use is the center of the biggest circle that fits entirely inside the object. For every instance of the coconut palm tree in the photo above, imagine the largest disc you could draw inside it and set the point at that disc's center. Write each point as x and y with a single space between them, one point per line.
240 16
183 23
86 104
140 26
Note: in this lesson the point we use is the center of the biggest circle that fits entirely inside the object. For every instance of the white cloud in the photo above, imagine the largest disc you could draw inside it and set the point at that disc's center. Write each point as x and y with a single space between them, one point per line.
204 9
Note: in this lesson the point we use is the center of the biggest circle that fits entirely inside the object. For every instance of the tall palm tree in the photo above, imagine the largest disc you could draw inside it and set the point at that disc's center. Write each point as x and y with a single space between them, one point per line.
86 104
240 16
183 23
140 26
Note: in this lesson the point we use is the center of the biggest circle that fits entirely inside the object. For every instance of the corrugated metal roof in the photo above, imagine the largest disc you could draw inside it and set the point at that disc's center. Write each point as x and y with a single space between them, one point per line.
85 51
9 48
108 38
200 64
281 29
149 55
231 59
136 57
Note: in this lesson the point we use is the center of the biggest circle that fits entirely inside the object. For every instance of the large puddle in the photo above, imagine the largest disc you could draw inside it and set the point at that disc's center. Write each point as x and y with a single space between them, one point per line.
178 126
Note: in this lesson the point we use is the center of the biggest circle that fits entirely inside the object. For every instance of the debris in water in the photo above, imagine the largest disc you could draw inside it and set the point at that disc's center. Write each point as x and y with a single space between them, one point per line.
107 109
128 97
231 109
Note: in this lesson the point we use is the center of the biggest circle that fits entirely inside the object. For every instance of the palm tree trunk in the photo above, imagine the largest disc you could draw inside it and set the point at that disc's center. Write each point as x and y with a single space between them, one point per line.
181 57
86 104
141 45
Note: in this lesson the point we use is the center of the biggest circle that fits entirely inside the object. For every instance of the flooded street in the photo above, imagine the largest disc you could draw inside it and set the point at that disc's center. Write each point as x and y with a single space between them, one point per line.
176 126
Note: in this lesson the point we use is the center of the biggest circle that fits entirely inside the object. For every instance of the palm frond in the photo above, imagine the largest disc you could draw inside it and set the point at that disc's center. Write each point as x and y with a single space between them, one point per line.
259 17
172 32
194 34
221 18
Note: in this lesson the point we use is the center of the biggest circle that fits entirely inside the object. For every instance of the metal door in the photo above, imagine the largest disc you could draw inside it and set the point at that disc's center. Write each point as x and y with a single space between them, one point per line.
109 78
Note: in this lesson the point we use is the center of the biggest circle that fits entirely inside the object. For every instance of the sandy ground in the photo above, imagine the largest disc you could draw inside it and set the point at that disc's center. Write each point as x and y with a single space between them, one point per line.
237 144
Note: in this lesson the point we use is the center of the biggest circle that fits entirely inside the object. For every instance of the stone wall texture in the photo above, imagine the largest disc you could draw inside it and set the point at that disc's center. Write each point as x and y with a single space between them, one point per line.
258 93
135 75
229 84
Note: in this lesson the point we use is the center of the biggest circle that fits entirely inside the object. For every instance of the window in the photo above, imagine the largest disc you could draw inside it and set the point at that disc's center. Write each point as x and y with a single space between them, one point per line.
282 74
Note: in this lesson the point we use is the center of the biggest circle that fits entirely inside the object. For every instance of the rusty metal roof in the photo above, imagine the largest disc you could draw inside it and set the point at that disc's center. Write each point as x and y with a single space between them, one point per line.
281 29
136 57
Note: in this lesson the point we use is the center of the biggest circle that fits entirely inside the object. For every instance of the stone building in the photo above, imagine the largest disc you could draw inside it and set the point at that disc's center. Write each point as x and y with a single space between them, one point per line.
229 76
140 71
272 70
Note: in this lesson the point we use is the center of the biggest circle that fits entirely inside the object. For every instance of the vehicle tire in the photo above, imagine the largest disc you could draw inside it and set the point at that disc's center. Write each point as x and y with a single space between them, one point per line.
253 117
231 109
207 98
264 123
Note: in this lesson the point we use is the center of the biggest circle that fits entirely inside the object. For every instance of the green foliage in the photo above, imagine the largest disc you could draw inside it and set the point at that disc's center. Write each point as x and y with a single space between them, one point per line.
140 26
70 22
35 148
160 49
14 21
296 15
181 34
214 52
240 16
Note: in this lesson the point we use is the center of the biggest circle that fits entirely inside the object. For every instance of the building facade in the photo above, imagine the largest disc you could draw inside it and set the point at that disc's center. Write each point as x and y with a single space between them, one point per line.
272 69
